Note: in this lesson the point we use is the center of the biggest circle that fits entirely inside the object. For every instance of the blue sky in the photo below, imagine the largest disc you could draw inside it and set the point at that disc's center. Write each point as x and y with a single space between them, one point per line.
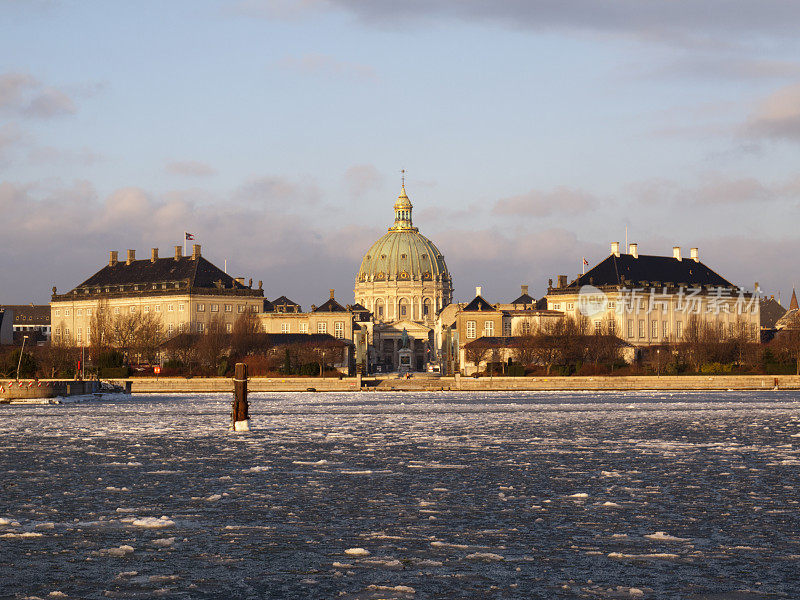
533 134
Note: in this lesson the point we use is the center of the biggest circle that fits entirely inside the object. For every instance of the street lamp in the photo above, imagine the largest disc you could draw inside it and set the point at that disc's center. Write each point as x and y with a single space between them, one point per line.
322 366
19 364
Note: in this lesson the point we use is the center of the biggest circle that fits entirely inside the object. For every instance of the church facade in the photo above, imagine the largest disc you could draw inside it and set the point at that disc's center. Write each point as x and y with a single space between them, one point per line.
404 282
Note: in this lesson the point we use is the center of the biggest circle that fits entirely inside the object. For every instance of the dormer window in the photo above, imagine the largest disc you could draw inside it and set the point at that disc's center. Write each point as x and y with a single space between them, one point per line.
403 256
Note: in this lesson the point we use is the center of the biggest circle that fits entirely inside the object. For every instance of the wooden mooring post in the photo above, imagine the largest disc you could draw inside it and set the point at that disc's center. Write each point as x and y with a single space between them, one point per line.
240 415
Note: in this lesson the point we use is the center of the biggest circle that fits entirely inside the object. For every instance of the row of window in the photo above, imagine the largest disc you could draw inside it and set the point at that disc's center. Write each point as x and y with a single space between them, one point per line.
200 307
664 329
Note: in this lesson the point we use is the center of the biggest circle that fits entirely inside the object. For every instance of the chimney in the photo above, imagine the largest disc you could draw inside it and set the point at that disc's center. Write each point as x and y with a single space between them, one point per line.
524 290
633 250
615 248
112 258
676 252
178 252
331 294
695 255
562 281
131 257
478 290
195 251
153 254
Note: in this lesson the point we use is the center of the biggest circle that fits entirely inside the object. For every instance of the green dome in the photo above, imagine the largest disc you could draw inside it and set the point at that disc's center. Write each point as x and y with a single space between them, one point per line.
403 254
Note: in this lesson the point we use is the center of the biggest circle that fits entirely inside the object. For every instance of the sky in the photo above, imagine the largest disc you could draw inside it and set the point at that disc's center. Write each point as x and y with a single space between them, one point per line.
533 133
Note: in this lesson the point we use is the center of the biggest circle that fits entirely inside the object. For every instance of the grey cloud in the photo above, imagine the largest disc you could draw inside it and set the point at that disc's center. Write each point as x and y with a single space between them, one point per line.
726 67
322 64
362 179
48 155
778 116
295 255
189 168
712 190
686 22
23 95
274 9
274 190
10 137
536 203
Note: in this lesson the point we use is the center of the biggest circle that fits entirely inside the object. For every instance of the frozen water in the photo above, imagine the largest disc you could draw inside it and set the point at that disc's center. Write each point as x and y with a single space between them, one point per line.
479 495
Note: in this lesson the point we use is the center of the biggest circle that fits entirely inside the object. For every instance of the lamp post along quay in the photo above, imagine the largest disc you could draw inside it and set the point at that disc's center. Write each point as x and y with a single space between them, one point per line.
21 352
240 416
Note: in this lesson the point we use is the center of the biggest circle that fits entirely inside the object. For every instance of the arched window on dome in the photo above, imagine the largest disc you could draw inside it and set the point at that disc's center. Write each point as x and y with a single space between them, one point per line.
379 309
403 308
426 308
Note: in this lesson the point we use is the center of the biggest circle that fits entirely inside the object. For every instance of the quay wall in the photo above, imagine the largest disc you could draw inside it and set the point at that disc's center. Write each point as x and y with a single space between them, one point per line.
265 384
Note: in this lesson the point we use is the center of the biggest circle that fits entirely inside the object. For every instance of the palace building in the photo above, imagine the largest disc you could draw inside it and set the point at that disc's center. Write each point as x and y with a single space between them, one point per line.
404 282
649 300
184 293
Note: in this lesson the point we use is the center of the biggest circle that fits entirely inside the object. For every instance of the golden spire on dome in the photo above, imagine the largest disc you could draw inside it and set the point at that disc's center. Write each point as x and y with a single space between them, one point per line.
402 208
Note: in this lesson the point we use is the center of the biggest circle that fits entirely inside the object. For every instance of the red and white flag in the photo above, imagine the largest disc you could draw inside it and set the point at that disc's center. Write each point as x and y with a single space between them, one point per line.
188 236
585 263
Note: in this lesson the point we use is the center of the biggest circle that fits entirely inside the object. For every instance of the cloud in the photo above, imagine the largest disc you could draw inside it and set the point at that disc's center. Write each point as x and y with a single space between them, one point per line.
362 179
322 64
725 67
23 95
654 20
536 203
713 190
189 168
274 191
275 9
778 116
49 155
296 255
10 137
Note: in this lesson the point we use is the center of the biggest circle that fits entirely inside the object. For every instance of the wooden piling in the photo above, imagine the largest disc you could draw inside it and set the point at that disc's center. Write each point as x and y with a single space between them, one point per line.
240 411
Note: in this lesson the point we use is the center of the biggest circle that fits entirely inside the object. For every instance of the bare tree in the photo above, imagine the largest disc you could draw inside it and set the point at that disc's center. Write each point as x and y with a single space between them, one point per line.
476 352
148 336
787 343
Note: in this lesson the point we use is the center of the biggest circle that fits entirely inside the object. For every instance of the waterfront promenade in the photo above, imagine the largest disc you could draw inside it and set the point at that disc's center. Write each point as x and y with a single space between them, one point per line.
422 383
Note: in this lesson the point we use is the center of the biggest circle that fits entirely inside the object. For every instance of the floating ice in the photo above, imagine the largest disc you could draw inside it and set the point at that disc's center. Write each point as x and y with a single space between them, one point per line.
214 497
665 537
402 589
485 556
357 552
153 522
123 550
164 542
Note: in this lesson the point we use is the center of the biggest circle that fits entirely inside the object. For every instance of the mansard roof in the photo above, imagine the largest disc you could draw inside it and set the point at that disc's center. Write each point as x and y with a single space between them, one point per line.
524 299
199 273
479 304
631 271
283 303
29 314
331 305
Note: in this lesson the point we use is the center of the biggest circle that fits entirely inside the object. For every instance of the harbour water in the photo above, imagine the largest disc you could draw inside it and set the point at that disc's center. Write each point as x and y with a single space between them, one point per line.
404 495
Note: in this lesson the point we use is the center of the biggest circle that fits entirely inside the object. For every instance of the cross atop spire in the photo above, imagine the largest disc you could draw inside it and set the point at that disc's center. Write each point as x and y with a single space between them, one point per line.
402 209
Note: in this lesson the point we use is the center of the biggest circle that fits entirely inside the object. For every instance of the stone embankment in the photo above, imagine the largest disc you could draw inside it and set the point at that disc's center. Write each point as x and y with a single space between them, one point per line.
422 383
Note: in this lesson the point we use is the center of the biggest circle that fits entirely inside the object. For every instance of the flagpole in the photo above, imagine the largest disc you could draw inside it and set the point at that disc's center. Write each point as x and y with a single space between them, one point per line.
184 243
